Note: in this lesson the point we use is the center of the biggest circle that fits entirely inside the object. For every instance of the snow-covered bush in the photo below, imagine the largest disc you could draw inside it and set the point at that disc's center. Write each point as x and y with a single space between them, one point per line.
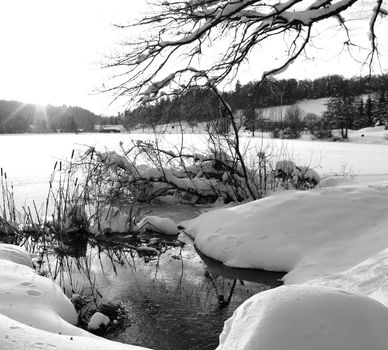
293 176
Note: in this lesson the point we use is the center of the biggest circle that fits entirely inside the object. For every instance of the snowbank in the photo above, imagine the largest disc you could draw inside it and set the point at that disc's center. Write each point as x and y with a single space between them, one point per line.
333 243
30 298
307 234
34 312
306 318
15 335
369 278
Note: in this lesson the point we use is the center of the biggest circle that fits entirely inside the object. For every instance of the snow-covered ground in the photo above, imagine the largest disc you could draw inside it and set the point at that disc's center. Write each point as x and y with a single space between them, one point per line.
333 244
331 237
34 312
377 134
308 234
306 318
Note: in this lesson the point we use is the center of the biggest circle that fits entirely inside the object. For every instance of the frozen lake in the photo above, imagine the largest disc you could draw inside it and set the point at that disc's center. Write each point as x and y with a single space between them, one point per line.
29 159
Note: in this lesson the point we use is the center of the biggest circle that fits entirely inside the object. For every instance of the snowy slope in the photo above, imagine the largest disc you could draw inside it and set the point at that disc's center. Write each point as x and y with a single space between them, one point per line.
377 134
317 106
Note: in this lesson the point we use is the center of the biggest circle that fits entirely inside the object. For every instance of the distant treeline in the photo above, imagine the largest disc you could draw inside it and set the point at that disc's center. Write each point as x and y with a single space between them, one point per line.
199 104
17 117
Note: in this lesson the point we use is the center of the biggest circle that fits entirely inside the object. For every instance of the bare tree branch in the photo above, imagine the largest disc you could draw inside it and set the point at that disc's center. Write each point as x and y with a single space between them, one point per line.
179 38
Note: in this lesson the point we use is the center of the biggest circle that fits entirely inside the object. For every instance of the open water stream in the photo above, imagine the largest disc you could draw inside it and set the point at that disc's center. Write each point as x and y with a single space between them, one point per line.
178 300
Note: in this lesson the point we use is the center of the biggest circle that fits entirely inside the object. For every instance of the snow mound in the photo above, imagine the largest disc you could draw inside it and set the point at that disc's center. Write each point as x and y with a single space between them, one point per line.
34 312
307 234
21 289
157 224
306 318
97 321
18 336
15 254
369 278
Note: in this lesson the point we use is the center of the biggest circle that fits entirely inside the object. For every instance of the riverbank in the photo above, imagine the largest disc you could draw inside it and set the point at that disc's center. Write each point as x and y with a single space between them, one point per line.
34 312
332 242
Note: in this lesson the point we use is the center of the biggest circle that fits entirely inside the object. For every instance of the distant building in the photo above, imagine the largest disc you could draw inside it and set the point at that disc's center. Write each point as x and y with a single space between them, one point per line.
110 128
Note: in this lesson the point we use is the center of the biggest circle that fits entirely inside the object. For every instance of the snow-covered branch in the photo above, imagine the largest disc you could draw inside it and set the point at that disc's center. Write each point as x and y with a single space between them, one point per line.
181 38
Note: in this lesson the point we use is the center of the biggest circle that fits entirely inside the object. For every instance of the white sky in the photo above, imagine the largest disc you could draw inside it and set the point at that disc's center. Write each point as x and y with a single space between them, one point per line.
51 51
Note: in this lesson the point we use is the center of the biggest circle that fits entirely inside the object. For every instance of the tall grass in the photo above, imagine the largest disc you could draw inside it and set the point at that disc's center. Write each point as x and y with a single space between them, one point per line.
63 234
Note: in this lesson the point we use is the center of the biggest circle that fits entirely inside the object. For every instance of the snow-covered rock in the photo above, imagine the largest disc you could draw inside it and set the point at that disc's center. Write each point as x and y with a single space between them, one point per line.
97 321
306 318
157 224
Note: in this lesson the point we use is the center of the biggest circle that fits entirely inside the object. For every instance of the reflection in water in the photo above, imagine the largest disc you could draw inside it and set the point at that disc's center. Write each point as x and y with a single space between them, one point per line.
174 299
174 302
254 275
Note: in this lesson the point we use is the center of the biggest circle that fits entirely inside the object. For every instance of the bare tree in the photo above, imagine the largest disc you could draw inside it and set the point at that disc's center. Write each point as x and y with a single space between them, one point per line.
205 42
180 37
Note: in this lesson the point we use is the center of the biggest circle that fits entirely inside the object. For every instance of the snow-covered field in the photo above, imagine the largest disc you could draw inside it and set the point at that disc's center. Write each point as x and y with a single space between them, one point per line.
31 158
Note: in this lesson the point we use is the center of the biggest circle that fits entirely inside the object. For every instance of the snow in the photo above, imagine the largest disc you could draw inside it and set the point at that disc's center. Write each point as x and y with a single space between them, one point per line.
97 321
34 312
286 166
369 278
377 134
332 236
309 174
157 224
307 234
333 181
315 106
306 318
21 289
332 244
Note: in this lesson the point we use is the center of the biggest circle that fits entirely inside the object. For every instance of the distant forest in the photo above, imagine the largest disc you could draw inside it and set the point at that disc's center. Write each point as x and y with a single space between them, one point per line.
17 117
200 105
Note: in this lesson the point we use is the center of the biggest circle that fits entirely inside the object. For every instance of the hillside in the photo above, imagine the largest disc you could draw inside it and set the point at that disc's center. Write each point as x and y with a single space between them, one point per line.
18 117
